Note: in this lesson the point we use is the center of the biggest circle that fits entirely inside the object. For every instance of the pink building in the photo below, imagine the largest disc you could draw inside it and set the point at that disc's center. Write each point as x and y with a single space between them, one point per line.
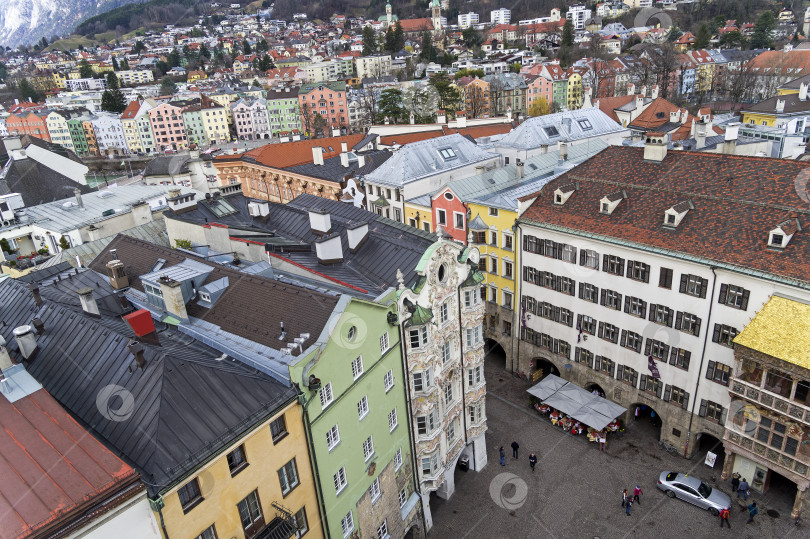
449 213
242 120
168 127
327 99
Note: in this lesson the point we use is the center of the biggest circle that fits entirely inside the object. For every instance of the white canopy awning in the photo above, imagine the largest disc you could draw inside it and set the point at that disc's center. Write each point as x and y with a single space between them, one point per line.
574 401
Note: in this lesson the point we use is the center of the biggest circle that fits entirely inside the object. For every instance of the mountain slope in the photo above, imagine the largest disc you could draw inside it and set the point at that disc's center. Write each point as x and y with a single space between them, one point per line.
24 22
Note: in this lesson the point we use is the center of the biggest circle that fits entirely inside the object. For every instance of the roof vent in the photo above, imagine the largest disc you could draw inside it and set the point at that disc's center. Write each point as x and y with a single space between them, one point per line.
655 147
136 349
610 202
258 209
779 237
675 214
26 341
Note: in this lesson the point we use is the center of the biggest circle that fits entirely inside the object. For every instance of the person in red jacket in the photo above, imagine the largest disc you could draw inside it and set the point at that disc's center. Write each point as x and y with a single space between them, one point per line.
724 514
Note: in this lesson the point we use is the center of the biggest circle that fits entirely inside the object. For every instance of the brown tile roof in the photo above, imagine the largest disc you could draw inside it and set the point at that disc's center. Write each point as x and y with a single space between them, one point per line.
416 25
406 138
609 104
131 110
252 307
737 201
657 114
53 470
294 153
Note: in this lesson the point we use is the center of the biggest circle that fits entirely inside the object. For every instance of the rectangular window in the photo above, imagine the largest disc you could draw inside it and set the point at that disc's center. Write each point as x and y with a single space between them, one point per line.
631 340
605 365
626 374
635 306
493 265
250 513
374 491
300 521
189 495
326 395
688 323
357 367
493 212
693 285
589 292
651 385
587 324
368 448
493 238
398 459
332 437
474 376
566 286
403 497
384 343
237 460
677 395
473 336
362 407
718 372
475 413
459 221
680 358
448 394
451 433
340 480
611 299
613 264
426 424
392 420
609 332
347 524
661 314
445 352
288 477
444 310
507 269
208 533
638 271
382 530
441 217
507 242
417 337
712 410
734 296
724 335
430 464
589 258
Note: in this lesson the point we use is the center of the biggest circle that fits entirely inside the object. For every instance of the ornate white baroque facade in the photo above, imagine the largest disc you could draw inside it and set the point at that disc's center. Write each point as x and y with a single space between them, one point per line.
442 318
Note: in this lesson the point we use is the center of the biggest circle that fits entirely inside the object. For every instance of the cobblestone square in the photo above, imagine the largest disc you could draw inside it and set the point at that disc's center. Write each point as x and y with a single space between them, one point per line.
576 490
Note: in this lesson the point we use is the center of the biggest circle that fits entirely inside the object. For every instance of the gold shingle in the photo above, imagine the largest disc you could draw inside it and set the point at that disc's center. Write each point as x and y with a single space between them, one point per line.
782 330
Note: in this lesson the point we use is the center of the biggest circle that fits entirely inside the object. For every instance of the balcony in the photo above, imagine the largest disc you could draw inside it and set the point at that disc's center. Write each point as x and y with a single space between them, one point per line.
774 401
281 527
777 457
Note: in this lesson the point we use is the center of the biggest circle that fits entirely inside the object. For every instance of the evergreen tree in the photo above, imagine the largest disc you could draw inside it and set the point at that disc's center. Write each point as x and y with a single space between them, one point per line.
85 71
115 65
173 59
390 104
246 47
390 40
3 72
761 38
138 47
112 81
567 39
702 38
427 46
124 65
399 37
27 91
369 41
167 86
113 101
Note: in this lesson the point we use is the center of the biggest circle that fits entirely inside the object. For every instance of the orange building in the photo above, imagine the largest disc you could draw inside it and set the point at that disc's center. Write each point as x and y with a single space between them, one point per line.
327 99
28 123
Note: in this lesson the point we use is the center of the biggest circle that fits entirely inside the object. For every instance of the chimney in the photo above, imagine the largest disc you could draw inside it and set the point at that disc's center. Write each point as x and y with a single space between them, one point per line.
357 234
780 105
173 300
361 161
654 92
631 89
117 274
141 213
479 169
34 288
803 91
563 149
643 91
317 155
700 134
5 359
461 120
319 221
136 349
89 304
639 102
412 118
674 115
692 128
142 325
519 168
329 249
730 142
684 116
655 147
344 159
181 202
174 192
26 341
344 147
441 117
78 193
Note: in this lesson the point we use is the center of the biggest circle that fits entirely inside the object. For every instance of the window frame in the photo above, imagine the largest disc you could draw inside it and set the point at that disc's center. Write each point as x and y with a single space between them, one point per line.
362 408
339 480
192 499
238 466
288 486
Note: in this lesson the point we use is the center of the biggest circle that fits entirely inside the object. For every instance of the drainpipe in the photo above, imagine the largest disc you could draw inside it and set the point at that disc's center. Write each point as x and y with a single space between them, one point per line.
411 438
162 524
702 357
461 348
314 462
516 318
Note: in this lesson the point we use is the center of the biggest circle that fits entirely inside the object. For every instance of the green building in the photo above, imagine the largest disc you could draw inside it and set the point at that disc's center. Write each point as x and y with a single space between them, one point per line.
77 135
283 110
195 129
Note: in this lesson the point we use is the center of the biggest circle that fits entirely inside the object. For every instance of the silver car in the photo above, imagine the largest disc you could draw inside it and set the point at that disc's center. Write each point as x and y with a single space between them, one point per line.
694 491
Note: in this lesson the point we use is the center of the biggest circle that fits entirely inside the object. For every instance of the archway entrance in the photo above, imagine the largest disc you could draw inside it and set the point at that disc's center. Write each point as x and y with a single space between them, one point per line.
647 423
706 442
544 367
595 387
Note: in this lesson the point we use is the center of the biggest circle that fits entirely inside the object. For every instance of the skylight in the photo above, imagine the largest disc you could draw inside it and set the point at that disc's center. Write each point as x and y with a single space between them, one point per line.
221 208
447 153
551 131
585 125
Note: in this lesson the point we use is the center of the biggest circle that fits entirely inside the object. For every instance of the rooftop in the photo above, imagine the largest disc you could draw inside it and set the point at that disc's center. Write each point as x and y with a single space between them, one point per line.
568 126
780 329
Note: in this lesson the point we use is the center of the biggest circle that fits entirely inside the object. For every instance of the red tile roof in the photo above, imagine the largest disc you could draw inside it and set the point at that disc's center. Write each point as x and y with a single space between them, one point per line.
737 199
290 154
657 114
131 110
416 25
52 468
608 105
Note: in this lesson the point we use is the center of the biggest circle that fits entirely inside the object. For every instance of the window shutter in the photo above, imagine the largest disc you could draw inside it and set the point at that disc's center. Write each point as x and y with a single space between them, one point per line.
744 305
627 304
670 312
703 405
555 345
673 353
643 308
697 326
526 243
716 334
648 347
558 250
619 372
624 337
704 284
723 415
589 359
556 314
666 352
684 279
653 308
601 329
723 294
604 261
667 392
643 382
658 390
634 380
621 266
538 278
579 321
710 370
603 297
557 283
629 273
685 401
582 257
679 320
646 273
581 290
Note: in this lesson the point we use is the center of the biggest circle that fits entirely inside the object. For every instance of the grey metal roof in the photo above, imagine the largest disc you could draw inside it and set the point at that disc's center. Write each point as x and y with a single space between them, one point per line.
425 158
186 404
551 128
333 170
36 183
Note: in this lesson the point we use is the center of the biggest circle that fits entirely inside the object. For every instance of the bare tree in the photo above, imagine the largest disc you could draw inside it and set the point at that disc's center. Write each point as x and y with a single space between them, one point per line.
664 62
367 109
740 84
476 100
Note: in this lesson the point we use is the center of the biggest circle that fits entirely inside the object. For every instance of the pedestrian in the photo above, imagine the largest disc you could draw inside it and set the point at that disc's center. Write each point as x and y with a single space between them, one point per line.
602 441
503 456
638 410
735 482
724 514
628 506
742 490
652 416
636 493
515 447
532 461
752 512
625 497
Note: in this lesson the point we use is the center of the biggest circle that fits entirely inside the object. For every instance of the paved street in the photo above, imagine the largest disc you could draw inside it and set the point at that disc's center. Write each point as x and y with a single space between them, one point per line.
576 490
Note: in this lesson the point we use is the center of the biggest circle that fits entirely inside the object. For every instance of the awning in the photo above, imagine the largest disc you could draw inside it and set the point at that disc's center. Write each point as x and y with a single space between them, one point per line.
574 401
381 202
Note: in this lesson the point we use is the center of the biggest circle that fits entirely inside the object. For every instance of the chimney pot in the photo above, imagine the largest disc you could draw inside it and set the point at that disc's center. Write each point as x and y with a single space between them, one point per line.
88 302
655 147
344 147
26 341
357 235
78 193
780 105
34 288
563 149
317 155
39 325
136 349
803 91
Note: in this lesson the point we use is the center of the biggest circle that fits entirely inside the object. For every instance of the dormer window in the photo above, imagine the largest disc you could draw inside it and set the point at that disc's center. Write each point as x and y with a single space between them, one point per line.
609 203
777 240
674 215
564 192
779 237
671 219
605 207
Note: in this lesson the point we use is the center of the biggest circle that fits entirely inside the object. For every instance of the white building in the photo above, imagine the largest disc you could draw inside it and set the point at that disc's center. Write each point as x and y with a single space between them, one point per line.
500 16
79 85
132 77
109 134
641 262
260 119
466 20
444 358
377 65
578 15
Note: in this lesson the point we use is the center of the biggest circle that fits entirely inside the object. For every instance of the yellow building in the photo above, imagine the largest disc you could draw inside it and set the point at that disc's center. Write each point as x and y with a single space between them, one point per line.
59 81
129 123
777 111
58 130
573 97
215 120
496 243
418 214
224 98
274 474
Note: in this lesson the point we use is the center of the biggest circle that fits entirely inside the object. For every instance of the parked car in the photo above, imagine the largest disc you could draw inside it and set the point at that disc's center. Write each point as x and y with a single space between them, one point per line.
694 491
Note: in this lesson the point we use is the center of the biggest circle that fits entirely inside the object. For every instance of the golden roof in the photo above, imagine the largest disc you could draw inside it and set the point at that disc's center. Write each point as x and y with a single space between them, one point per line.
782 330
